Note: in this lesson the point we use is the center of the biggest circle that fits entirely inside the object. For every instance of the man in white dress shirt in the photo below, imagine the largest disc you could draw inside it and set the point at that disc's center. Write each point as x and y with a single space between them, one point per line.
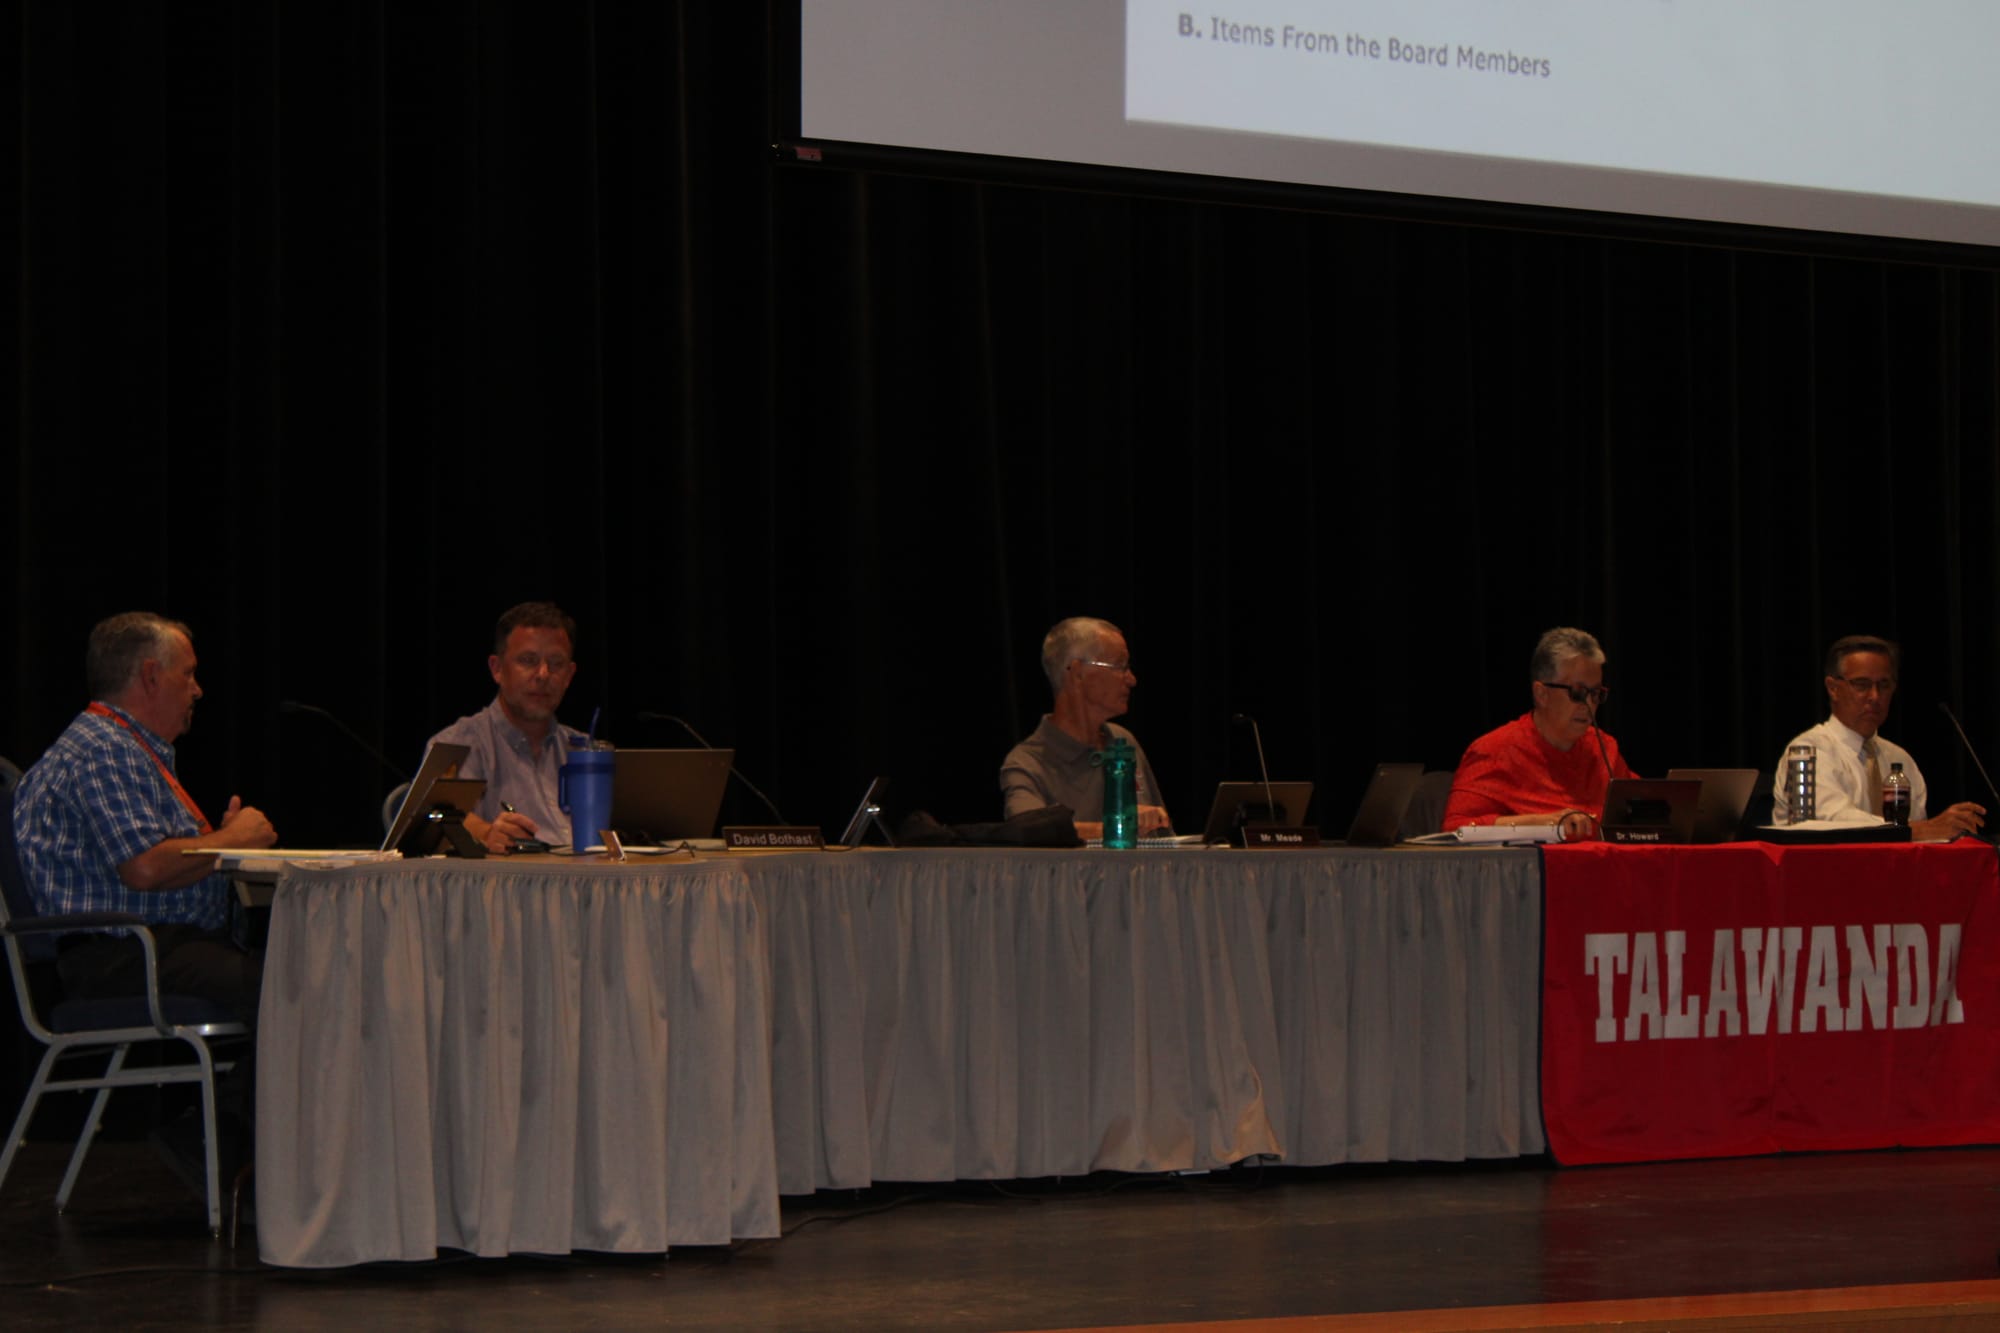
1852 760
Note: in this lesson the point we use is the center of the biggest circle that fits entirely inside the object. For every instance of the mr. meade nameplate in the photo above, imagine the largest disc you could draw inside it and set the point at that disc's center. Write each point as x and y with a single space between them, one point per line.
771 837
1278 837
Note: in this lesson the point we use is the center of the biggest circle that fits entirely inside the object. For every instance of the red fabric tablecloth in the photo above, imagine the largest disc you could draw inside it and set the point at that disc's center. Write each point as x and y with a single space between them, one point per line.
1749 998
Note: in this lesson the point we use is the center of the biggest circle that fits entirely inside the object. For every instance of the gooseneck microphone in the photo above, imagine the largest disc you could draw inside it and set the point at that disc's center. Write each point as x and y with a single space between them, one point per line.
701 740
1602 751
1966 741
1256 734
294 706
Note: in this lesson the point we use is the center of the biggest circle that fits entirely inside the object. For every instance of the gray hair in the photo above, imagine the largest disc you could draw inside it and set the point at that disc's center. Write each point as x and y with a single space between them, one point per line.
1836 656
1071 640
1558 646
119 645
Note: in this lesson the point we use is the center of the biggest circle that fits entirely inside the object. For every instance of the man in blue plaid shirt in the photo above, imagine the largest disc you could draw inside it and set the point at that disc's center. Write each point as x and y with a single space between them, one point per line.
103 824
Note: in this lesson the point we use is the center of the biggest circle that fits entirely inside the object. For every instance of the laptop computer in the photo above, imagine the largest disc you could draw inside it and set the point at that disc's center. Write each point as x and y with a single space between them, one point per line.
1656 811
1378 820
668 795
436 783
1725 794
1240 803
868 815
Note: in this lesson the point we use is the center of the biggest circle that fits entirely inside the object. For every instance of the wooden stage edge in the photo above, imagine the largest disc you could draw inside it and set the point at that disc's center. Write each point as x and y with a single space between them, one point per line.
1940 1304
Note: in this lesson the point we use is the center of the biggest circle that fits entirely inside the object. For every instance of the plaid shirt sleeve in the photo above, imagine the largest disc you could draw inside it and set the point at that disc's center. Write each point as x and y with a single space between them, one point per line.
124 803
92 803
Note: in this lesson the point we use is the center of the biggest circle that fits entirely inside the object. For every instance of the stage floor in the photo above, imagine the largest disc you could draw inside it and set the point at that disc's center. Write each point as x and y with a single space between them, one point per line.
1105 1251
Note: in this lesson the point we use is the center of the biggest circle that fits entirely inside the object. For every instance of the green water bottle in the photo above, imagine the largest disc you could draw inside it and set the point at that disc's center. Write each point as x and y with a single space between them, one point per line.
1121 796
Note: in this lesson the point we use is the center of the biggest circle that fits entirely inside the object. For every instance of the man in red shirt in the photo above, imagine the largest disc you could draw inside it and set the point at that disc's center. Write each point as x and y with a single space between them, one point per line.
1551 764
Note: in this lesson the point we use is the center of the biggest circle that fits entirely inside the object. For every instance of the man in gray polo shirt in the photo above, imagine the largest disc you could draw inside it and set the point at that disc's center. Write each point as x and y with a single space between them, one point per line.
516 743
1090 669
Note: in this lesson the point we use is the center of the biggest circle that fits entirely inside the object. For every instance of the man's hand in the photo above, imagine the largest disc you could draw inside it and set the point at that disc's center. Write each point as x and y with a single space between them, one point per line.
1965 817
166 865
500 836
1152 820
1572 825
245 826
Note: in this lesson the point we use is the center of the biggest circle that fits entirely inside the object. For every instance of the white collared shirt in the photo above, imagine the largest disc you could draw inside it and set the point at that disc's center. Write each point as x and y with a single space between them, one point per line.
1841 775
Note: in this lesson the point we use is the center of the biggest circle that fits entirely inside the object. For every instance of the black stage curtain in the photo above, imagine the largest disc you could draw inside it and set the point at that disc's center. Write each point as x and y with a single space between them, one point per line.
338 329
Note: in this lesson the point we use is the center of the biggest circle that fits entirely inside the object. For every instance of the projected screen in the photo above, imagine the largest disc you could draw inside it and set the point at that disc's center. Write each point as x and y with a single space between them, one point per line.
1828 115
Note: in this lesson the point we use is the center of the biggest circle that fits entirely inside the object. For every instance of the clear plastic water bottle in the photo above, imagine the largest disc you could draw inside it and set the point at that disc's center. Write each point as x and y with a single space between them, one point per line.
1896 796
1801 783
1121 797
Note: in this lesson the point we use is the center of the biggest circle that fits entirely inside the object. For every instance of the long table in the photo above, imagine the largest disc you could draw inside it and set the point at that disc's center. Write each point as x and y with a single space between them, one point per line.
514 1056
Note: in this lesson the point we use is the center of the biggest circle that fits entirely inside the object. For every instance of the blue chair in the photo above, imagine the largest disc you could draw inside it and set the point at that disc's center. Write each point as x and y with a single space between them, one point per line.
390 805
94 1031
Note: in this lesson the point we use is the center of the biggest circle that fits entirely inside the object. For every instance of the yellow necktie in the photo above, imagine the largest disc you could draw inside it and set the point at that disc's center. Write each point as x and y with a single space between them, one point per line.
1870 753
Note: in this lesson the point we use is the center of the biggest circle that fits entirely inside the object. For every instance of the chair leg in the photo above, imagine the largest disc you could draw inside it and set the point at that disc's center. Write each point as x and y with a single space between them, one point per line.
208 1137
19 1133
89 1133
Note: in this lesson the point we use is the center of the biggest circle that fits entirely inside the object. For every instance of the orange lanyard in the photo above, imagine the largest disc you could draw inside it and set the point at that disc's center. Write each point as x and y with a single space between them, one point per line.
165 772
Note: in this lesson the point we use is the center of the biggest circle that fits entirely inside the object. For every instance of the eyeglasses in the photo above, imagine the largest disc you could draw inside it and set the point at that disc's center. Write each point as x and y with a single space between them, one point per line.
1863 685
1594 695
1120 667
530 663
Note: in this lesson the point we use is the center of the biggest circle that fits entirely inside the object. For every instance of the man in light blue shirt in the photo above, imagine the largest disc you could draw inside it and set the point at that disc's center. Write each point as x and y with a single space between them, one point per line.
515 743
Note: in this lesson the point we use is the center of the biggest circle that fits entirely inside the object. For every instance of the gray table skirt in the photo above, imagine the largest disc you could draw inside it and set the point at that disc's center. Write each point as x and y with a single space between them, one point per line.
990 1015
512 1059
543 1057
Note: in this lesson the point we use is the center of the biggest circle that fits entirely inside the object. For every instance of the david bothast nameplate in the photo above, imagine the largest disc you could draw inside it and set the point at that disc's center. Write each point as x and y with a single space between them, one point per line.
771 837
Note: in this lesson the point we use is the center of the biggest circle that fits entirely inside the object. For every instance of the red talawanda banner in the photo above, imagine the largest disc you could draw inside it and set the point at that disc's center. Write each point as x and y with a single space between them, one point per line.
1748 998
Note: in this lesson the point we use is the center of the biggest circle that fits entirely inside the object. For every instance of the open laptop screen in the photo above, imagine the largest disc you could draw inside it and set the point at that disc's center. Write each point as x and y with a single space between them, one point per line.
1650 810
1725 794
1239 803
663 795
441 763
